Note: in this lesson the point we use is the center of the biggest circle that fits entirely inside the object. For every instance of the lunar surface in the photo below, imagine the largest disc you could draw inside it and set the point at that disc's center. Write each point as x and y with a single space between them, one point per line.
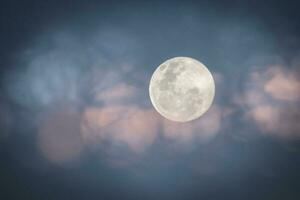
182 89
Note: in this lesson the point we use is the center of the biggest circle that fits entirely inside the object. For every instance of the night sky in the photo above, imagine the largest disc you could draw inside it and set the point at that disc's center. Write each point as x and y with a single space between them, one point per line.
76 121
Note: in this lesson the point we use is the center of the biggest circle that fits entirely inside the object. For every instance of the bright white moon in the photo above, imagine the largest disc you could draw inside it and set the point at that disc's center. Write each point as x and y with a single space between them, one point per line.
182 89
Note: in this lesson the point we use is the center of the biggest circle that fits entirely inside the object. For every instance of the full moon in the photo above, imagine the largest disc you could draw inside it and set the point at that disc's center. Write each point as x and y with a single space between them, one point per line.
181 89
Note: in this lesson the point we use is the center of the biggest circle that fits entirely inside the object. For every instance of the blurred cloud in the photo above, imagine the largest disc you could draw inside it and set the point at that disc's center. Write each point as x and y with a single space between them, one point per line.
282 84
122 125
55 66
177 131
59 137
271 100
266 116
120 91
202 129
49 73
87 72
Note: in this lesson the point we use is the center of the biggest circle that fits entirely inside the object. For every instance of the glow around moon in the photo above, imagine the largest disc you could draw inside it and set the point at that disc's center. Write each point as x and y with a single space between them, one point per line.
182 89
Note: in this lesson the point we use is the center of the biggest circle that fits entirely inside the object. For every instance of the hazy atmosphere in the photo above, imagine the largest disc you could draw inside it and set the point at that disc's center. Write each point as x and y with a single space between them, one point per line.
76 120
